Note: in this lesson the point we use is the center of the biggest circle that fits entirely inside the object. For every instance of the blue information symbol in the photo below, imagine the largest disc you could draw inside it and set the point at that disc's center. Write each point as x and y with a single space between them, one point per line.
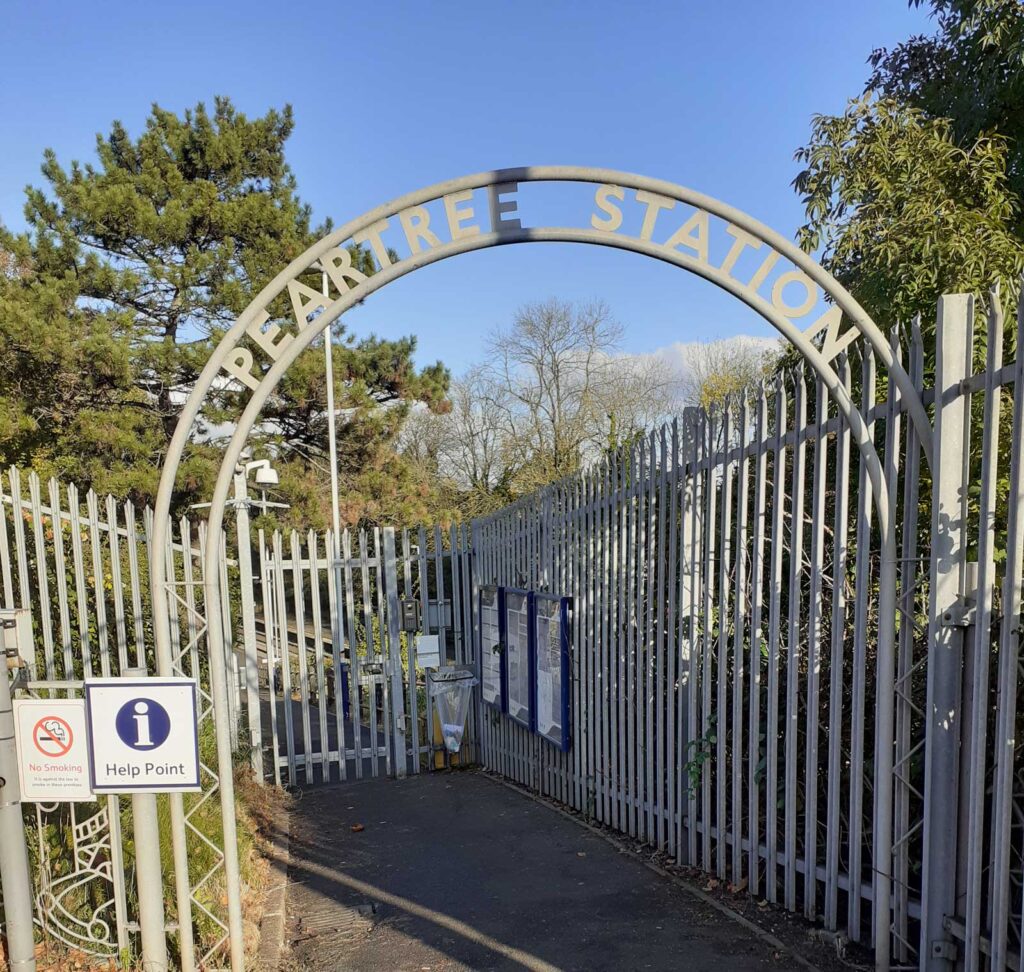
143 724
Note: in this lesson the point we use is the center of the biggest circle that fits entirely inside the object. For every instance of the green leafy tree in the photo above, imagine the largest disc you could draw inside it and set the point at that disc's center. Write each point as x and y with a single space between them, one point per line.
913 191
902 214
175 230
68 403
969 71
916 189
375 384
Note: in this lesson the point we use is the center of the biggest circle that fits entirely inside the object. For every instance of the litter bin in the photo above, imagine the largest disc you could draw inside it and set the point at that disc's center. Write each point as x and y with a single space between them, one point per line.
451 689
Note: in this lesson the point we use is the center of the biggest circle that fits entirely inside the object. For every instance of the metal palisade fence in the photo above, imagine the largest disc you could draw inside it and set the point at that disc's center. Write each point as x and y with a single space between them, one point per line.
725 676
724 573
81 566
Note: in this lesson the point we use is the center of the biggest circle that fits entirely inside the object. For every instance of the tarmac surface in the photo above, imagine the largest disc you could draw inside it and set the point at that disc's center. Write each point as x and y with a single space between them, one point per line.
454 871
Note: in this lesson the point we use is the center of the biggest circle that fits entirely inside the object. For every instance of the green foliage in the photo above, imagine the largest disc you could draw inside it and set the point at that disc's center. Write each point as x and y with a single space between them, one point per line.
68 404
902 213
969 72
131 269
915 189
375 385
700 753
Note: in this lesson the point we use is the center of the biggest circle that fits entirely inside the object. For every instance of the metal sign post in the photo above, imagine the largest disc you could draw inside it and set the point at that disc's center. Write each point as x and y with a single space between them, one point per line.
145 822
14 872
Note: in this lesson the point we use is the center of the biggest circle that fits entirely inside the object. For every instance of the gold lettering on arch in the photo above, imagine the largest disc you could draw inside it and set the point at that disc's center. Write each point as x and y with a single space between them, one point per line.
693 233
834 342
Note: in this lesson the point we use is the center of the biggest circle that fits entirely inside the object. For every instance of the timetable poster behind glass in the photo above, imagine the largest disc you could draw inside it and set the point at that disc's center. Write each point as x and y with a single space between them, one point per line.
517 655
552 716
490 647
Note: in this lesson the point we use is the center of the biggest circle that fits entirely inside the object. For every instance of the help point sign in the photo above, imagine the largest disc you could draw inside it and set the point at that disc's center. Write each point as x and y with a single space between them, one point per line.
143 735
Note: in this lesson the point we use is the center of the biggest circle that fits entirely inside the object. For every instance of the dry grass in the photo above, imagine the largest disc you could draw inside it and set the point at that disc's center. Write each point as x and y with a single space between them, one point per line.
260 809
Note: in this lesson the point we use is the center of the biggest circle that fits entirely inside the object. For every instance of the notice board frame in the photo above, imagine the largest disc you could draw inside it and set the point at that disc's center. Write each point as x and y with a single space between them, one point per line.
527 721
564 602
501 703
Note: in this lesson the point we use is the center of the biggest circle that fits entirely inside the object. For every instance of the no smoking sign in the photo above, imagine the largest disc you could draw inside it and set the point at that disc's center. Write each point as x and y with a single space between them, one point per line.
53 736
53 758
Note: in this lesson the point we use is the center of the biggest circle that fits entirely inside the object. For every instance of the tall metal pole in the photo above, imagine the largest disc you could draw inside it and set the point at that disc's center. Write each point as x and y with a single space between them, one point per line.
252 686
14 872
332 434
148 876
332 441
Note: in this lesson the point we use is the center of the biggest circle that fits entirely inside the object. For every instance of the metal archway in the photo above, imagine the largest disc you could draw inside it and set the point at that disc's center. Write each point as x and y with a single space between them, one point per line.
426 248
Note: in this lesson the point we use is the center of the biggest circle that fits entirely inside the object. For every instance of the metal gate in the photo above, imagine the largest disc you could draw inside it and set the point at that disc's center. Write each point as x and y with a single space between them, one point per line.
342 695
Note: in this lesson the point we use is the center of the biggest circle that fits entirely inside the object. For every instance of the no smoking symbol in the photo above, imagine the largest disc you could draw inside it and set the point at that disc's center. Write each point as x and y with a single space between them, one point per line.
52 737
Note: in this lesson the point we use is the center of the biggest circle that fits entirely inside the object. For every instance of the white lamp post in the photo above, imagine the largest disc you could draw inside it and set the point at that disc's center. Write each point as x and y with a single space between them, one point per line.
266 475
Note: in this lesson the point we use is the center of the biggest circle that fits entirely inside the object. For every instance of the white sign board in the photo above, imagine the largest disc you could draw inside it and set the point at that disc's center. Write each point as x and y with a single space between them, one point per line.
428 651
490 646
53 751
517 655
143 735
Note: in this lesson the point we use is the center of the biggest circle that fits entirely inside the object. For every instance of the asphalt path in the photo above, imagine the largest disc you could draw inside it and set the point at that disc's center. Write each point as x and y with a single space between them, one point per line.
454 871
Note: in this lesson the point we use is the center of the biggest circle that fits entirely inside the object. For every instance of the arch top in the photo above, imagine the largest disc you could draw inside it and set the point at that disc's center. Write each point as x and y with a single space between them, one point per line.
669 222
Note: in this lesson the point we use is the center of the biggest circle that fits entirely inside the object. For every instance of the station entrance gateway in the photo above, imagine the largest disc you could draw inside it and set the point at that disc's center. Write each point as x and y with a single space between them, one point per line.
700 631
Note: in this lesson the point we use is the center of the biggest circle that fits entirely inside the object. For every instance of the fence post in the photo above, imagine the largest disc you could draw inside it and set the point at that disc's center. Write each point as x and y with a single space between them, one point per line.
14 866
394 659
687 597
246 582
947 616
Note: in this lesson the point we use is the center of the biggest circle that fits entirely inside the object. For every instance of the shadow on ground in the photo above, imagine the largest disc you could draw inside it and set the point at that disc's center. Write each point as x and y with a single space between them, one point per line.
457 872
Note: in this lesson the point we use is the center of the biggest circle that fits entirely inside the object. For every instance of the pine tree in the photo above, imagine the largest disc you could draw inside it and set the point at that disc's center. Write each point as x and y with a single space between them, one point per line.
132 268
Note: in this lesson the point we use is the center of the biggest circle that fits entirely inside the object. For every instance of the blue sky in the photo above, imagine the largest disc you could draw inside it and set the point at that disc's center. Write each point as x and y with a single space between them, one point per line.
389 97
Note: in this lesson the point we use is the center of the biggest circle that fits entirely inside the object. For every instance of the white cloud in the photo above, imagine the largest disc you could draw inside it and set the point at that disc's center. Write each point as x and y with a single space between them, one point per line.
680 356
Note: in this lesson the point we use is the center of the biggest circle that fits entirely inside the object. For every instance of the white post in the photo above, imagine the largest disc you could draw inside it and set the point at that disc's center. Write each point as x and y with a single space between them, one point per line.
332 434
335 552
252 668
691 417
148 871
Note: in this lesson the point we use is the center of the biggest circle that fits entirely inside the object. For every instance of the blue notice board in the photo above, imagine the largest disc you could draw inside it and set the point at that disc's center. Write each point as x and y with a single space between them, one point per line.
552 675
492 654
518 655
